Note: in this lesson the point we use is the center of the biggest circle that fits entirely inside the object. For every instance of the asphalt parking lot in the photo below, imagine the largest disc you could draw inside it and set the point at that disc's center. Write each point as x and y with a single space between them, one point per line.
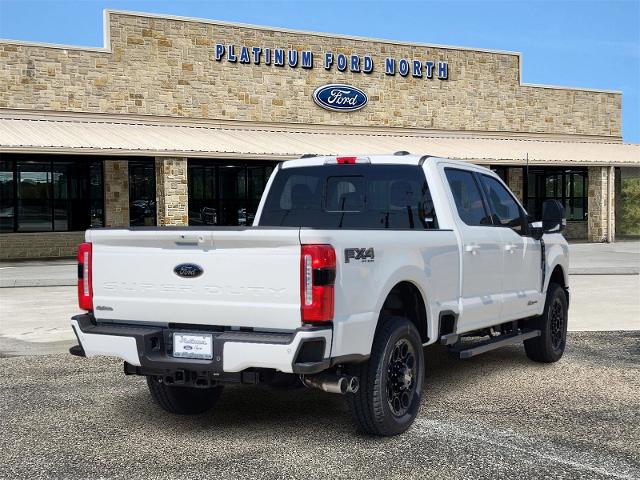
496 415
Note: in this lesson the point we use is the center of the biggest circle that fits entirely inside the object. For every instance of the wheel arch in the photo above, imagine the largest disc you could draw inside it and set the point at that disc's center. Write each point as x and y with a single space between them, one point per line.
406 298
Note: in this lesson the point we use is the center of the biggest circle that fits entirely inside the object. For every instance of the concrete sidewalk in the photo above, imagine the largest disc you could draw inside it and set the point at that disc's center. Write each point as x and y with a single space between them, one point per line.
39 273
621 258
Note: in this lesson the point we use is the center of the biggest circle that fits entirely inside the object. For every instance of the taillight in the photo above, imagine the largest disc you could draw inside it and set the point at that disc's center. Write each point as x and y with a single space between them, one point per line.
85 288
317 275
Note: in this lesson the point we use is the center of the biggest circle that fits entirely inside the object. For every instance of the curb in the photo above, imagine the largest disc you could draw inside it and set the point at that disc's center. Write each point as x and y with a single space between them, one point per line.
41 282
604 271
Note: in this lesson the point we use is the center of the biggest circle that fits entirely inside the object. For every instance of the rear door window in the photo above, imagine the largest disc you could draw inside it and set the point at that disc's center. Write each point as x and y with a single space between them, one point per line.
350 196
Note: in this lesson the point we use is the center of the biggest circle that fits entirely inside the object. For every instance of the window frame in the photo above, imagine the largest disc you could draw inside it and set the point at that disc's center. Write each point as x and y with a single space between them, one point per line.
51 161
143 163
538 195
215 199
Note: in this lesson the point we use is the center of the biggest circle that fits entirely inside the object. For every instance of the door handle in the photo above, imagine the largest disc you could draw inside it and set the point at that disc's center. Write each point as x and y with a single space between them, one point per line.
510 247
472 248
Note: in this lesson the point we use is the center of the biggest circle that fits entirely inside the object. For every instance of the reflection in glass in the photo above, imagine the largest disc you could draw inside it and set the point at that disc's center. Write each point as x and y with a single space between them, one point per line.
34 197
7 206
225 193
142 193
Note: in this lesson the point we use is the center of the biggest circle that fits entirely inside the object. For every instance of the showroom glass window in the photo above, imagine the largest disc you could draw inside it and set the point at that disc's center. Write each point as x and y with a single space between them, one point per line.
142 193
41 193
569 186
226 193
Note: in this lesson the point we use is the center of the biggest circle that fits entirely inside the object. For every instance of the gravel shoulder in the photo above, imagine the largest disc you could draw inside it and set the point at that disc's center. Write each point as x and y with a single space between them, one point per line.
496 415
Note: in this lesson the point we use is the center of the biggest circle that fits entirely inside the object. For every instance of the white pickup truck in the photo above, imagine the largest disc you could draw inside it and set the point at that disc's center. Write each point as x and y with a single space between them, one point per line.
352 266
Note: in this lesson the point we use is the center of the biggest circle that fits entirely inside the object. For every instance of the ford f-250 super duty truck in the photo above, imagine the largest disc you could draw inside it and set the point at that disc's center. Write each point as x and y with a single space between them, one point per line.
353 264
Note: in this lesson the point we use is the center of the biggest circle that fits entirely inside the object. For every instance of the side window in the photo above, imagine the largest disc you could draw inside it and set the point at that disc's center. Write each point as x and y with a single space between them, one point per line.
505 210
467 196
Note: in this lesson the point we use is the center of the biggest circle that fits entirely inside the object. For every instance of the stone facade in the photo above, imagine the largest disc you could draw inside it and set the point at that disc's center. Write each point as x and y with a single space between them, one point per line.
171 191
167 67
515 182
161 66
18 246
116 193
601 214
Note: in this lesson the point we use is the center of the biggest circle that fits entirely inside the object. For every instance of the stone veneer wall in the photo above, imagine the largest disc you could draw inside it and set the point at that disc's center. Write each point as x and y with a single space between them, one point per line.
167 67
116 193
171 191
515 182
598 203
17 246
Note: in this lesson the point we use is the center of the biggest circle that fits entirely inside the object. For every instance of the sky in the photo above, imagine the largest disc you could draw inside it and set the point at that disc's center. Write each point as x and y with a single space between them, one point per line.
577 43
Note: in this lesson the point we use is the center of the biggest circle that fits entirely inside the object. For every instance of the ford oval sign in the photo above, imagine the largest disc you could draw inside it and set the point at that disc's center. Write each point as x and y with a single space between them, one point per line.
340 98
188 270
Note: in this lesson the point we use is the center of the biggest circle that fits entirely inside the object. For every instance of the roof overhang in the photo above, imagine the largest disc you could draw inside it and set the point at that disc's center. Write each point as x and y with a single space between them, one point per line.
23 132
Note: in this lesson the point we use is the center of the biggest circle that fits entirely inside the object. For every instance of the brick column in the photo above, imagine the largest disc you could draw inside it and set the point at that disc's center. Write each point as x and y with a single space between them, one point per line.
171 191
116 193
601 201
515 182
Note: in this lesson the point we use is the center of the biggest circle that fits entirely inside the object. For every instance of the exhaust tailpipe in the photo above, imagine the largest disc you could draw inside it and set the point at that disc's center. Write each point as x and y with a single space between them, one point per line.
332 383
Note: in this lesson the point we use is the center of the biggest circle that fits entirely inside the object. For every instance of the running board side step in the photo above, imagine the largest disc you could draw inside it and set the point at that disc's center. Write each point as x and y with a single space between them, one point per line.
493 343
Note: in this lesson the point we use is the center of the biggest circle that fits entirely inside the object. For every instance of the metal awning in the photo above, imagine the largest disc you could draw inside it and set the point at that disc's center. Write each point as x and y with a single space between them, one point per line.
120 137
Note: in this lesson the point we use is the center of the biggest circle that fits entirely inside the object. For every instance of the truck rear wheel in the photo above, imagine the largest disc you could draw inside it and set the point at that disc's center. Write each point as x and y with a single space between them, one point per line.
391 380
182 400
550 345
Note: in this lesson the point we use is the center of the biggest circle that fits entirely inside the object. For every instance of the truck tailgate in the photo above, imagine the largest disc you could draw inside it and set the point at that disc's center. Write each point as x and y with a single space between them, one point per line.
250 277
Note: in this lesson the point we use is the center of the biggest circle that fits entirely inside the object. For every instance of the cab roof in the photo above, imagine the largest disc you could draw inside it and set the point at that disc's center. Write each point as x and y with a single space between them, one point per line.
398 158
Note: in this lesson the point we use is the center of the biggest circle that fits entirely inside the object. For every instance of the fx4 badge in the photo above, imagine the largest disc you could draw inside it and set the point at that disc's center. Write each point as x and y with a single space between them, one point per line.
362 254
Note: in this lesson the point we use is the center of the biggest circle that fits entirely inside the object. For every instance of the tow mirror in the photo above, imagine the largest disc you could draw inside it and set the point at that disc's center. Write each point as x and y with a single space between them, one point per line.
553 220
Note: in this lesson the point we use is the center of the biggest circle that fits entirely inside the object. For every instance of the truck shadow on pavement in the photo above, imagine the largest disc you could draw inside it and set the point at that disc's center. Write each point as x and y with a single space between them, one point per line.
264 407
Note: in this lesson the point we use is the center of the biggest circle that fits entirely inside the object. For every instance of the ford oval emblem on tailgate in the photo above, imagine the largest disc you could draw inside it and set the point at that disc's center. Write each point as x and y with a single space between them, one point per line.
188 270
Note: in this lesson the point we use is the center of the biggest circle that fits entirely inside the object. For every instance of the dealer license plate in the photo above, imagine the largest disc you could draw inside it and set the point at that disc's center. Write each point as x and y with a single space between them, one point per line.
193 345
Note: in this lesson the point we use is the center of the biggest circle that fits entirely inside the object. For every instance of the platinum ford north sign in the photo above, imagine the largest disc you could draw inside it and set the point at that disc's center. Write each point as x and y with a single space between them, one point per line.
340 98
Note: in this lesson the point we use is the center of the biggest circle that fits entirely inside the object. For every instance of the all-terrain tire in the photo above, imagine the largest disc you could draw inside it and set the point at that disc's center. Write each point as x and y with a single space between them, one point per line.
550 345
388 399
182 400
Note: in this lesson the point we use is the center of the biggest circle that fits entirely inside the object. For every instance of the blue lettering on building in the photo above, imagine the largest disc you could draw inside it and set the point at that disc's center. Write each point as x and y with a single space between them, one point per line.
429 66
328 60
342 62
219 51
246 54
293 58
256 55
278 57
417 68
390 66
403 67
231 55
355 63
307 59
368 64
443 70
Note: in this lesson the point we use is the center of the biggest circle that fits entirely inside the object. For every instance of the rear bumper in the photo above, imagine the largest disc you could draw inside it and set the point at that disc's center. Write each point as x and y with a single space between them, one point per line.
306 350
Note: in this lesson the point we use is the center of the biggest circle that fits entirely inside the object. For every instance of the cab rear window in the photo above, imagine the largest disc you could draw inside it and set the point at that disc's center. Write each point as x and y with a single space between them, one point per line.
350 196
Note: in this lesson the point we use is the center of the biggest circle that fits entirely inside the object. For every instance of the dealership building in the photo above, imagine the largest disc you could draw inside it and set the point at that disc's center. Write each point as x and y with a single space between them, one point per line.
180 121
